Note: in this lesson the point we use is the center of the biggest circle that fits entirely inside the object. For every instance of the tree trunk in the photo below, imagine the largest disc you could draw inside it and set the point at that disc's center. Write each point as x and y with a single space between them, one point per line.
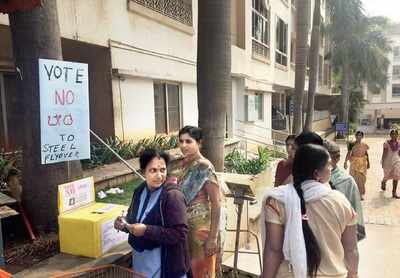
345 93
314 65
301 61
36 34
214 75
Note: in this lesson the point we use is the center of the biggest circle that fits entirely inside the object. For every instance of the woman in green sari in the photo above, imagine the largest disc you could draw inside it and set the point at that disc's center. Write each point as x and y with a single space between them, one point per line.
199 184
343 182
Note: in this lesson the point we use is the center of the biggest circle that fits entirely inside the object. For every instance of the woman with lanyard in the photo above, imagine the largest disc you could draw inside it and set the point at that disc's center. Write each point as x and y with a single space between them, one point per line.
157 222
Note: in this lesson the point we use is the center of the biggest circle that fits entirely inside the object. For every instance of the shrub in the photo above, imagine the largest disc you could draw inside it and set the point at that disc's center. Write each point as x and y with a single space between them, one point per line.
101 155
235 162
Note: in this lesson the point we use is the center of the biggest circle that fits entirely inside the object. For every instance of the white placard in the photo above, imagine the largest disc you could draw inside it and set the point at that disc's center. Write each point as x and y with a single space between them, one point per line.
64 111
75 194
111 237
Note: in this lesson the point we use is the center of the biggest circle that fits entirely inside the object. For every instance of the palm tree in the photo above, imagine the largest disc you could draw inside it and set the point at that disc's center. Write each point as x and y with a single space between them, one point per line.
36 34
359 48
314 64
302 20
214 75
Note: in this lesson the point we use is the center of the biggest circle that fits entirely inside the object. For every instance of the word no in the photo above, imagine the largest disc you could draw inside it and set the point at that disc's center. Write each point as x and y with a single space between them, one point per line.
64 97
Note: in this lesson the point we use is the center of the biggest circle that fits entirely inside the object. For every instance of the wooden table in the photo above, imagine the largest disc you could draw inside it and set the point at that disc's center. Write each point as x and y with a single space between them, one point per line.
5 200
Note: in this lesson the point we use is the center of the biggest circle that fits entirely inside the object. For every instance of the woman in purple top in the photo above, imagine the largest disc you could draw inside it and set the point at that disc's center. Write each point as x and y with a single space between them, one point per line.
157 222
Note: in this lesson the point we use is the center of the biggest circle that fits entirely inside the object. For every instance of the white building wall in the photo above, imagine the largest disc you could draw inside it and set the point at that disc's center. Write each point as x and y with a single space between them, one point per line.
389 97
385 104
145 46
137 108
98 21
4 19
258 131
189 104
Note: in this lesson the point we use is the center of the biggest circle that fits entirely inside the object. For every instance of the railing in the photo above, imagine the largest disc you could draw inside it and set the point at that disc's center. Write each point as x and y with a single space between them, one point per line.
179 10
260 49
321 115
279 124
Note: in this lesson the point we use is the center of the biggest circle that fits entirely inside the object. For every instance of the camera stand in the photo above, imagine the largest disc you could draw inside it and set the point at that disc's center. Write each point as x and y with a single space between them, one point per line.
238 199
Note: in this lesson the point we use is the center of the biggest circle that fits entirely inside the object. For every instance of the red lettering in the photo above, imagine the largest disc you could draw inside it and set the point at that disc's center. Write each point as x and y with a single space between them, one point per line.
64 97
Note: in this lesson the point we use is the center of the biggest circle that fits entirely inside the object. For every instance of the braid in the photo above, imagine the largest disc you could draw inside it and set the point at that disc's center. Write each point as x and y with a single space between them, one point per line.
308 159
312 248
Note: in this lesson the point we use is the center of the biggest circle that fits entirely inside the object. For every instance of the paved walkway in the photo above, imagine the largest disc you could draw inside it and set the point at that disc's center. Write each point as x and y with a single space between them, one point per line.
380 251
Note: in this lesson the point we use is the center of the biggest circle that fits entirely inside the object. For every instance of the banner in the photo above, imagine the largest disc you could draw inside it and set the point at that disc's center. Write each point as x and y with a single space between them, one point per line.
64 111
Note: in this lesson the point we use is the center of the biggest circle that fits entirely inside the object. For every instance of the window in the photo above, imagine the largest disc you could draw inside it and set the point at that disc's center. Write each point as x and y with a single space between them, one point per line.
396 90
327 74
374 89
396 72
259 106
396 51
293 48
281 42
260 28
321 35
320 68
254 107
179 10
167 107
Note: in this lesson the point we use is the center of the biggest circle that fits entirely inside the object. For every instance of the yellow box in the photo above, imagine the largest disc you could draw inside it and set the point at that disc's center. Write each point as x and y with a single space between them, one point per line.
87 230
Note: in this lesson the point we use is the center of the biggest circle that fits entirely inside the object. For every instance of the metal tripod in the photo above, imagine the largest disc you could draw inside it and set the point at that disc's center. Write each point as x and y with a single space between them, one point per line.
238 199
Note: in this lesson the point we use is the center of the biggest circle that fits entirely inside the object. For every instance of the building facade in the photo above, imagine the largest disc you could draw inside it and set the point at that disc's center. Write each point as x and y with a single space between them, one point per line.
383 105
142 66
263 69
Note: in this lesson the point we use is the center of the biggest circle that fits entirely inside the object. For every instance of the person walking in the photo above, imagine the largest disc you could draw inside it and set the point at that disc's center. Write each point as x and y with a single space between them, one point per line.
308 229
157 222
391 162
283 174
343 182
359 162
199 183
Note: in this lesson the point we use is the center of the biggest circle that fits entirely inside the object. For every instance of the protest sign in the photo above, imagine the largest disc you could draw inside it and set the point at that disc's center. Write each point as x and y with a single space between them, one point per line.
64 111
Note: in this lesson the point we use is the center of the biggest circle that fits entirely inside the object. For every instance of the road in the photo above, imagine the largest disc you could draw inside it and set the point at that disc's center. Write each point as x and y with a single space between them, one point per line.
380 251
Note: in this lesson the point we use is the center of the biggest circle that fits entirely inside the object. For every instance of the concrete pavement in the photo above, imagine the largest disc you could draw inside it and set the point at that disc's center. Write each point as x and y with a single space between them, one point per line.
380 251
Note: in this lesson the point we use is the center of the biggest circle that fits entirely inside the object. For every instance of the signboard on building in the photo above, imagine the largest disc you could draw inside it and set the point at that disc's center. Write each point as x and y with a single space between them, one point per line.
341 127
64 111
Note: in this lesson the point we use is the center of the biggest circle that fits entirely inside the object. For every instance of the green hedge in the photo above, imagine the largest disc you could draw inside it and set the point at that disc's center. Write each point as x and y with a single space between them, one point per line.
101 155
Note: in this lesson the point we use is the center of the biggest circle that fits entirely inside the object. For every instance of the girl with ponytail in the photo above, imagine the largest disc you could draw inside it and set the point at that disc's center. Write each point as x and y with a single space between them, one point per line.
308 229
